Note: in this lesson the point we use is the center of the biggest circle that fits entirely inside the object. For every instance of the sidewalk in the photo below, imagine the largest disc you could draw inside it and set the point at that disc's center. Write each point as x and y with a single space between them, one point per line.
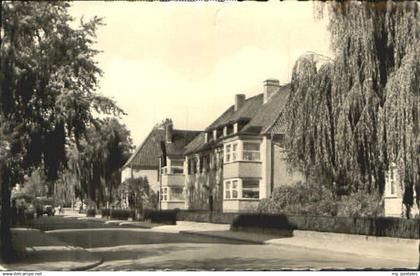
39 251
369 246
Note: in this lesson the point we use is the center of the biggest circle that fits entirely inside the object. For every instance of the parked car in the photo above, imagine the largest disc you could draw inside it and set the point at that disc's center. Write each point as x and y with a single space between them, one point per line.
44 205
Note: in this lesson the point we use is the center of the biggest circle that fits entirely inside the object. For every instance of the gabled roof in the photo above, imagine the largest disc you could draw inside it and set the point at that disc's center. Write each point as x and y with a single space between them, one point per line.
259 118
180 138
146 155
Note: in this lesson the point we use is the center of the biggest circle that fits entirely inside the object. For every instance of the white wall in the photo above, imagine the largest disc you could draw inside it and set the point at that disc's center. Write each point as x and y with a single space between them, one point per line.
152 176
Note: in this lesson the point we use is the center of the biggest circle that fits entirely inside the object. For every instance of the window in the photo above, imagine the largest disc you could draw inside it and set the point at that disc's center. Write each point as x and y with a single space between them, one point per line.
235 188
234 151
242 151
242 189
250 188
227 153
251 151
232 189
164 194
227 189
177 193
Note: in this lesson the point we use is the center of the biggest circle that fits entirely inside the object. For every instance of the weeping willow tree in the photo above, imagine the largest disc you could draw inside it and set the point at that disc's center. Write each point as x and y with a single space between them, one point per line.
355 115
96 163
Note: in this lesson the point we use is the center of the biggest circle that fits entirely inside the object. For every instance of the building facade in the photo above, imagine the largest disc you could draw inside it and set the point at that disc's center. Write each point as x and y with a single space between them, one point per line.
239 159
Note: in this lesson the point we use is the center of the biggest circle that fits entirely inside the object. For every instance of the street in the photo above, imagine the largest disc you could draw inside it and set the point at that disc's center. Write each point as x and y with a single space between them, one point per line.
135 248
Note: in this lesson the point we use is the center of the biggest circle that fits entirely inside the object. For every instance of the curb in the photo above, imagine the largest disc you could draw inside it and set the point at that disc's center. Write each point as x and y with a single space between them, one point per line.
220 237
87 267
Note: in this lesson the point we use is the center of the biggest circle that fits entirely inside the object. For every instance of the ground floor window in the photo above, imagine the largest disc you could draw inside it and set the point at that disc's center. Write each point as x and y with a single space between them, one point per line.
172 193
240 188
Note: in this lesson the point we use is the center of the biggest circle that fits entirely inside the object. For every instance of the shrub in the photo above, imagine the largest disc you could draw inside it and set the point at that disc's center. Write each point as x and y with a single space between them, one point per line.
121 214
105 212
374 226
267 223
301 198
315 200
160 216
91 212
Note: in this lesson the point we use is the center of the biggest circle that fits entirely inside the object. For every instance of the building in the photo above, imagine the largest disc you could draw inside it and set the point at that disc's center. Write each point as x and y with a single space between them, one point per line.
171 166
144 162
239 159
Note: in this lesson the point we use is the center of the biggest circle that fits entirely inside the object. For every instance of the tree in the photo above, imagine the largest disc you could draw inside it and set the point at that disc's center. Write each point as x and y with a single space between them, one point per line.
138 194
48 79
97 162
354 116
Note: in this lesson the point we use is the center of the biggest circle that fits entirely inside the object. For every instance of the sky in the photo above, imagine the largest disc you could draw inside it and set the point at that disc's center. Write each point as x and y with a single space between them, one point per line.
187 60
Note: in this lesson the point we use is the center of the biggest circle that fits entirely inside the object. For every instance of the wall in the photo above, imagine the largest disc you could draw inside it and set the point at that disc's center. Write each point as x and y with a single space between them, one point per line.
170 205
200 186
240 205
241 169
282 173
152 177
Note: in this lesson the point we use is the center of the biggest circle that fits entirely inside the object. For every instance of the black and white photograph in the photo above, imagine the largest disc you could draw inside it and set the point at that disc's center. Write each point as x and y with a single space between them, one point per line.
215 136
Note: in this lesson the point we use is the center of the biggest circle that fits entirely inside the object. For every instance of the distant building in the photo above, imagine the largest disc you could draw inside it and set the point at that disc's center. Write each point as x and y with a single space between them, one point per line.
145 160
171 164
160 159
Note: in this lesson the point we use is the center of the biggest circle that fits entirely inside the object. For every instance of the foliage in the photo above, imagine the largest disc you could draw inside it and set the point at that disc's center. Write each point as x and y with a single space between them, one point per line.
48 79
373 226
97 161
161 216
353 116
138 194
122 214
35 184
315 200
264 222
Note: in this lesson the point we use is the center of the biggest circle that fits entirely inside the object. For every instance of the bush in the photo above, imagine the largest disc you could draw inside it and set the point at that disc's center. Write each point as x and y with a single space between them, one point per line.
315 200
106 212
160 216
121 214
267 223
373 226
301 198
91 212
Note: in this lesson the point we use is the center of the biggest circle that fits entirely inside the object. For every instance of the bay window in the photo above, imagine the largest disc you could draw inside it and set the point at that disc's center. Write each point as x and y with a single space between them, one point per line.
251 151
172 193
250 188
242 151
242 188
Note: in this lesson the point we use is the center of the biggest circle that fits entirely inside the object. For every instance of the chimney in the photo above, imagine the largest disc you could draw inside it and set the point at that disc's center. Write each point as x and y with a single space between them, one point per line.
239 101
168 131
270 87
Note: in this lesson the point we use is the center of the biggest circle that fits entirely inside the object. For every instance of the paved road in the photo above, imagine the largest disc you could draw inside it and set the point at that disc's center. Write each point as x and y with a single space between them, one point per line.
124 248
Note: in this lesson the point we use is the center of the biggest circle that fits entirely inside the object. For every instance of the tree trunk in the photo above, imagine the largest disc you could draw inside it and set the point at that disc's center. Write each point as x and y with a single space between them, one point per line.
6 253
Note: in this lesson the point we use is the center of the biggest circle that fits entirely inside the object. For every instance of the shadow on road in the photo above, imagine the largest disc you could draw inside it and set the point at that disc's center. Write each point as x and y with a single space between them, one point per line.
115 237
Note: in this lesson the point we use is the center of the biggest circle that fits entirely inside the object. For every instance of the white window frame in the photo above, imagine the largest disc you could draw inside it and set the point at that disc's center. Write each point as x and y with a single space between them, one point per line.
231 155
165 193
228 186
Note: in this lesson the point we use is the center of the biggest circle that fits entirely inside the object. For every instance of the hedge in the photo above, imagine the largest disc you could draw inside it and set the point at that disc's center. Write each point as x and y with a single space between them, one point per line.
106 212
206 216
121 214
91 212
266 223
161 216
373 226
